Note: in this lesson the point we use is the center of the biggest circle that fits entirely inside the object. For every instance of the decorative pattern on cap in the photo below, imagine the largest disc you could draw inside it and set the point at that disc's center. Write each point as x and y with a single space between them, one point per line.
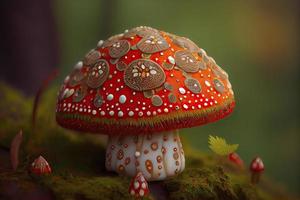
144 81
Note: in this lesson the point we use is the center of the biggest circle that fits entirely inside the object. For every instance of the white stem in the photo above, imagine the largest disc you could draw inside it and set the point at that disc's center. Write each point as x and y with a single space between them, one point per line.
157 155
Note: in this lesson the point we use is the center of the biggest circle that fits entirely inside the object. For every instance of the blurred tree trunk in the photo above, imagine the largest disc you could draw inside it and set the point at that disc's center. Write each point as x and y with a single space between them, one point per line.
28 43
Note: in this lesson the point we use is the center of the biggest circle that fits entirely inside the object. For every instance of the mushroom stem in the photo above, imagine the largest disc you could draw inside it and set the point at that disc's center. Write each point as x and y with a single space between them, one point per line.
156 155
255 177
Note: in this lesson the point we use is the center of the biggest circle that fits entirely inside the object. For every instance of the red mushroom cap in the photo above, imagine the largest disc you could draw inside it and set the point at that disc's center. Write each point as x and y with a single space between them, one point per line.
40 166
139 186
144 81
257 165
234 157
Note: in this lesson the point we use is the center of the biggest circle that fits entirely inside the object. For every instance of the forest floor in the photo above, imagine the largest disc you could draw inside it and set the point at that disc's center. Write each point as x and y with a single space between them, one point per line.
77 162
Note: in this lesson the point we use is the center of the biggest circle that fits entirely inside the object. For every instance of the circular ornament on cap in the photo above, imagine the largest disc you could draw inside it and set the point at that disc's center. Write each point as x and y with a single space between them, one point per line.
186 61
145 30
167 66
186 43
79 93
91 57
219 86
142 74
121 66
98 74
146 55
152 44
110 41
119 48
168 86
98 100
193 85
114 61
202 53
141 31
156 100
133 47
218 71
148 93
202 65
172 98
76 77
67 93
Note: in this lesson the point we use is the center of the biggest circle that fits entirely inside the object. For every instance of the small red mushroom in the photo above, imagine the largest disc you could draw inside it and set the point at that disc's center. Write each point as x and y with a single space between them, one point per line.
139 186
40 166
235 158
256 168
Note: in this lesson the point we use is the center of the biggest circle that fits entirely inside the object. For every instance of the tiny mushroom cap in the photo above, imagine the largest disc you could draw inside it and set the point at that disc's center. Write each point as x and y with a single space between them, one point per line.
257 165
40 166
139 186
235 158
144 81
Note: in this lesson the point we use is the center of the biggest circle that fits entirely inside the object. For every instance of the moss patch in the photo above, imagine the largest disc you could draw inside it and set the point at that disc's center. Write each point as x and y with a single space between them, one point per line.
88 187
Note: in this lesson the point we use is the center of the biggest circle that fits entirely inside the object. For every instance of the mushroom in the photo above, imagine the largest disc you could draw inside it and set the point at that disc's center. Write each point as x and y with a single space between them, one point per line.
139 186
40 166
235 158
256 168
140 88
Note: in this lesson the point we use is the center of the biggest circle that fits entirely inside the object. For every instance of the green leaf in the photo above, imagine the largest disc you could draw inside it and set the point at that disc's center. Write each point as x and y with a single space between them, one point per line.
220 146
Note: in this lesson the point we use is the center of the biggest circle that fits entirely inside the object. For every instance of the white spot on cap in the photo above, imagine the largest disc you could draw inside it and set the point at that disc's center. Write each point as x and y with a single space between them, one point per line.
122 99
166 110
130 113
185 106
207 83
141 193
111 113
137 154
181 90
110 97
100 43
171 60
78 65
67 79
144 185
153 72
136 185
102 113
120 114
94 112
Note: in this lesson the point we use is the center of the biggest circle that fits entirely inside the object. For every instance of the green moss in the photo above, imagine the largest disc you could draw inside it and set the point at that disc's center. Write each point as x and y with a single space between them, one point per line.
201 183
14 112
88 187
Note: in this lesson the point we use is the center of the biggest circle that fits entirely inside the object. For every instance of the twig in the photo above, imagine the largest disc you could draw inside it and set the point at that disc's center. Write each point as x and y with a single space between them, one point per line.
39 93
14 150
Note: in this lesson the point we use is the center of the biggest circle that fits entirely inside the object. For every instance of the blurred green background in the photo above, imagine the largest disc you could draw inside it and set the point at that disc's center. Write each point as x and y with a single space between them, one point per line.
256 42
